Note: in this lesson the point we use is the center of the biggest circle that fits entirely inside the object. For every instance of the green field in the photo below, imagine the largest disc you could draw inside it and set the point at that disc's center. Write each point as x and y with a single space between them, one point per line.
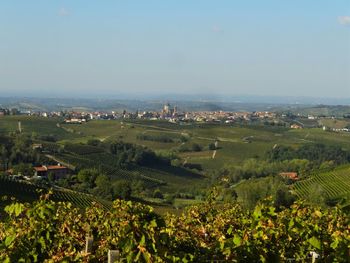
232 146
35 125
334 123
164 177
233 149
236 143
26 192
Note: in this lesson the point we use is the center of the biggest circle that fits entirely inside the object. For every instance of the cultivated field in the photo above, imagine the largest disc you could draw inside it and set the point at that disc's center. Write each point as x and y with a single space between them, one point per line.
25 191
334 184
236 142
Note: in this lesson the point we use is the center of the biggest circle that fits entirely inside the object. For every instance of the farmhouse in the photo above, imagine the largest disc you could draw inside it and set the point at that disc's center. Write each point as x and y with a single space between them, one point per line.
75 121
9 172
296 126
290 175
58 171
37 146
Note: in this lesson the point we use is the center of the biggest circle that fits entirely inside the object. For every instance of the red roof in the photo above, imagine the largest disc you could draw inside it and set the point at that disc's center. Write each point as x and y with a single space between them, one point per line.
290 175
49 167
40 169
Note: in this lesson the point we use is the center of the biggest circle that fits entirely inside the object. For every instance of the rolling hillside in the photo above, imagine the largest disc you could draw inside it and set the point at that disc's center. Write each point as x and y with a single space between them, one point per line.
24 191
331 185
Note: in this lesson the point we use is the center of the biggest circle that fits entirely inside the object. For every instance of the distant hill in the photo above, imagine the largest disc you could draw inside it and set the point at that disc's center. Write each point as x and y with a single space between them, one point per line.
320 110
184 103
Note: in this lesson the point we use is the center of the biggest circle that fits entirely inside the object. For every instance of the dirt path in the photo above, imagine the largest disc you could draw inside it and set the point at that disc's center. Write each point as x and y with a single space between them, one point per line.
72 167
151 126
218 138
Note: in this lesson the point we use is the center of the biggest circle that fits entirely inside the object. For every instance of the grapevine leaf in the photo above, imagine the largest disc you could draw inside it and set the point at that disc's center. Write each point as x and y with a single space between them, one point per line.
147 256
18 209
229 231
257 212
9 240
143 241
237 240
335 243
315 242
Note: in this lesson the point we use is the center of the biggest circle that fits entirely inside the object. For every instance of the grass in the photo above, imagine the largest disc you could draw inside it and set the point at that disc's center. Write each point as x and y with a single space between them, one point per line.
334 123
35 125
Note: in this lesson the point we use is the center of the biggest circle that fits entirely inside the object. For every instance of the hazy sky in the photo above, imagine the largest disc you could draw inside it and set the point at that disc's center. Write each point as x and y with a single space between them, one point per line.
85 48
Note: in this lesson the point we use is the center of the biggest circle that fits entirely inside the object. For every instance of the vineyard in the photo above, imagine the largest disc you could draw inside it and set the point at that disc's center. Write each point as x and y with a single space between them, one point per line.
333 184
81 149
48 231
104 162
86 156
26 191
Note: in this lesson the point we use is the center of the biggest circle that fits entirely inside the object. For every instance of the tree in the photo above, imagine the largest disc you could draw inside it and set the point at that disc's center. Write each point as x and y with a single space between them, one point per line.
183 148
211 146
88 176
195 147
128 154
94 142
317 195
102 180
138 186
51 177
23 169
158 194
103 187
170 199
283 197
63 182
122 189
4 157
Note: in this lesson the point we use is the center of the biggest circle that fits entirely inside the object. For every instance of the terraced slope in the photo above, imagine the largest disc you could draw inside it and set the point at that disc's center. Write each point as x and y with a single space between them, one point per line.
25 191
334 184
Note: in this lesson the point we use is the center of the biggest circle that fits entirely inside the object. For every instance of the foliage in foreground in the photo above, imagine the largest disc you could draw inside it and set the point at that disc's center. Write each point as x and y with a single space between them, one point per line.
48 231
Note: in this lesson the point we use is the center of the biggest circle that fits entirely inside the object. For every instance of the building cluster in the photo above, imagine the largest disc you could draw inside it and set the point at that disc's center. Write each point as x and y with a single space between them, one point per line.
6 111
44 171
168 112
15 111
173 115
227 117
325 128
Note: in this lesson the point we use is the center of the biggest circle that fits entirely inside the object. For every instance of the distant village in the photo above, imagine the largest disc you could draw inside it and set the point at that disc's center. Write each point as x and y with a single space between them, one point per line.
168 113
172 114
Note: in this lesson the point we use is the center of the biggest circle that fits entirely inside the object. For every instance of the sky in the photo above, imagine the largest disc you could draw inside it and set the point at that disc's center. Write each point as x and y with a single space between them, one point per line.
106 48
